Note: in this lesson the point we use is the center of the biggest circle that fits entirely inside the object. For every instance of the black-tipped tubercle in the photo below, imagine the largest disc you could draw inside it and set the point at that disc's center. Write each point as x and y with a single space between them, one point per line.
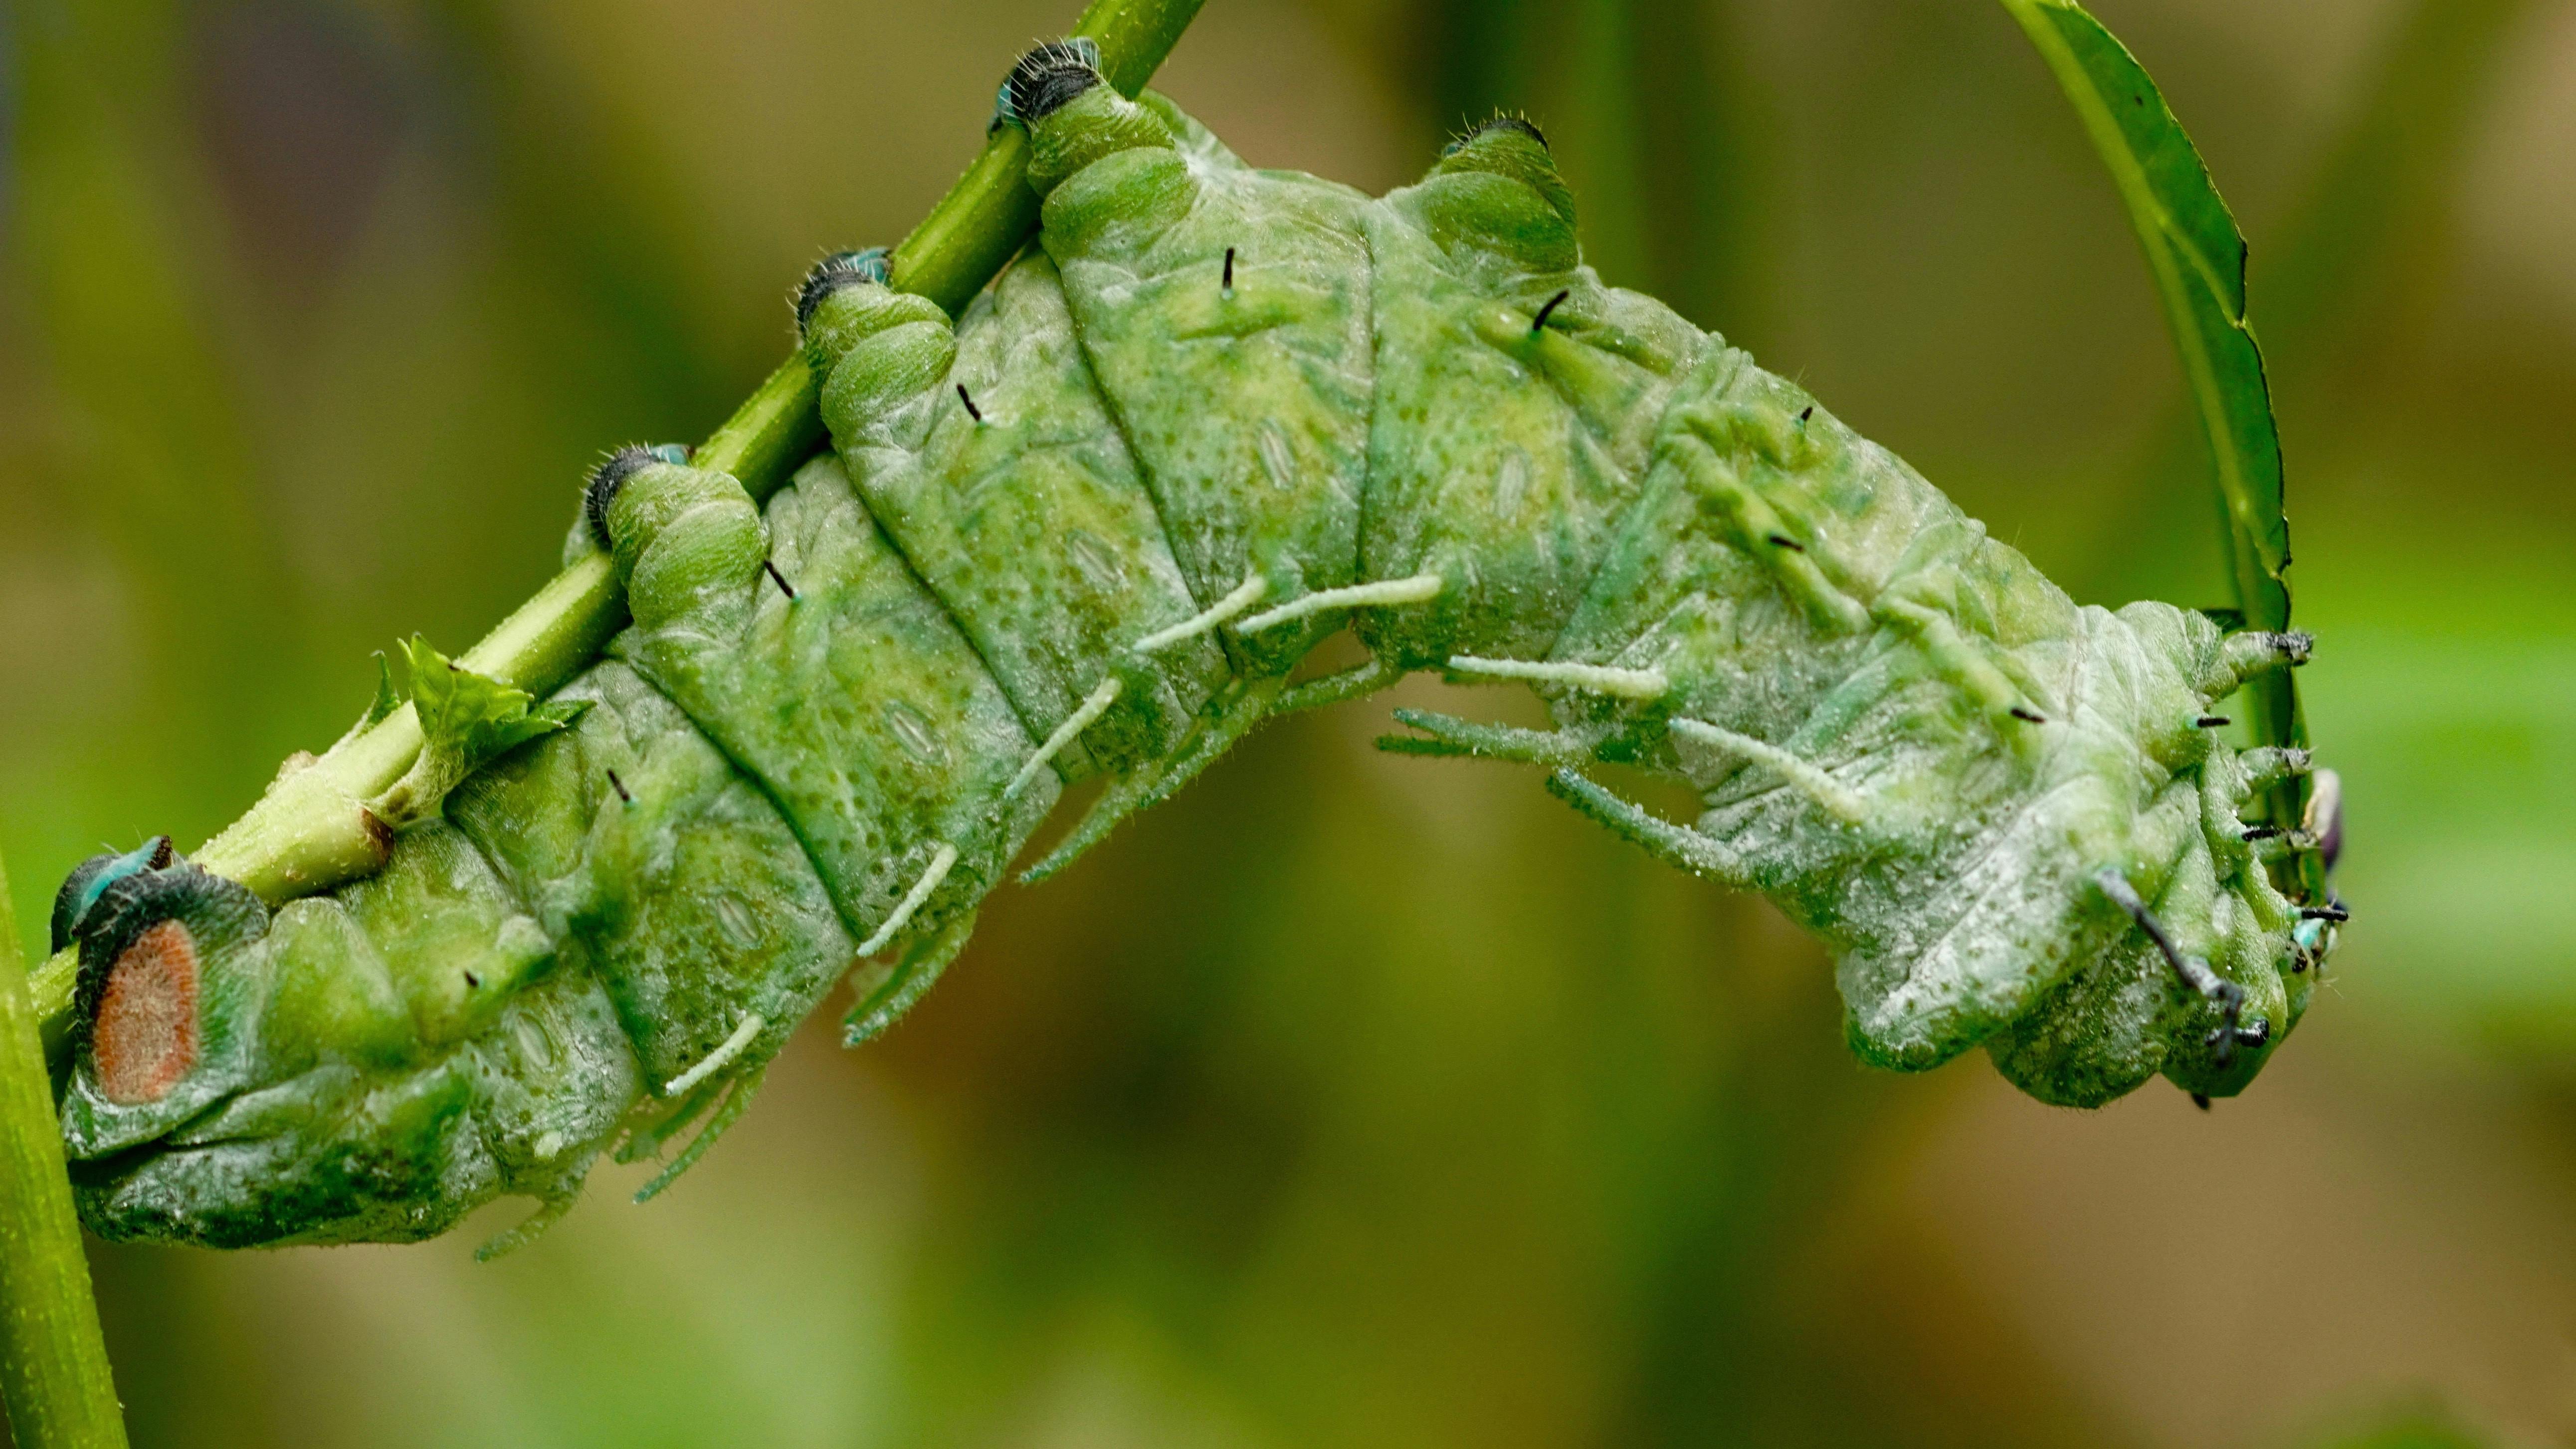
1046 78
611 475
91 879
1521 124
869 268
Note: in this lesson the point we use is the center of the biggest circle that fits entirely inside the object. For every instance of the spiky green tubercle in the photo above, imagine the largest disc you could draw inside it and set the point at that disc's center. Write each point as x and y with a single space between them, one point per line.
1089 528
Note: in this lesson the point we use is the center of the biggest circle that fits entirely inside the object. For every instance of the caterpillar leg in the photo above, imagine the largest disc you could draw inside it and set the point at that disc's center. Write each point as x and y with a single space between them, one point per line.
1093 706
887 992
1444 736
717 1060
1385 593
1609 708
1357 682
738 1092
1573 746
654 1128
2255 653
1205 622
535 1225
2269 765
1836 799
1675 845
1233 715
943 859
1638 685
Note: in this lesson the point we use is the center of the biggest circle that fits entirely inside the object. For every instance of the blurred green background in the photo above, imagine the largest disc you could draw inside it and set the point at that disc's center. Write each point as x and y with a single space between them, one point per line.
1351 1100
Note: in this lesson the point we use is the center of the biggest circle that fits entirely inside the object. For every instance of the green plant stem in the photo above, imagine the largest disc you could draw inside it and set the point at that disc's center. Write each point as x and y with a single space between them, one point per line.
312 831
2168 205
53 1363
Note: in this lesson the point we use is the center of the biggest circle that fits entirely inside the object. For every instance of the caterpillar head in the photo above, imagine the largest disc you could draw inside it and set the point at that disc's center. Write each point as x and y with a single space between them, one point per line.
2299 955
1496 189
2324 822
2187 961
2315 936
2221 1056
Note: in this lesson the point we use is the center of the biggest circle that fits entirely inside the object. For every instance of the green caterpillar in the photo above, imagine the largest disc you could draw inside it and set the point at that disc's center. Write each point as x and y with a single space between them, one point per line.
1090 528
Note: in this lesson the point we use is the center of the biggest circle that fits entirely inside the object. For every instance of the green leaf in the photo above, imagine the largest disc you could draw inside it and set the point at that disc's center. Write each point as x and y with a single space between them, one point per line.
388 698
2197 257
467 720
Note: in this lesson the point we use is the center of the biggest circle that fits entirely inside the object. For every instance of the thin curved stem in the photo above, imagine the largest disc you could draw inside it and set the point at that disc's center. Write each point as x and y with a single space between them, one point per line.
53 1363
2196 256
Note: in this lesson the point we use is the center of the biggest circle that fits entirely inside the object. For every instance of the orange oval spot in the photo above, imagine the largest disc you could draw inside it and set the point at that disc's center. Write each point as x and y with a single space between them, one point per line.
146 1036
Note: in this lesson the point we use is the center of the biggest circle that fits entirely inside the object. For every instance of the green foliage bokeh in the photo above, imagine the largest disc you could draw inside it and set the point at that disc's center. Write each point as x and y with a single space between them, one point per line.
1351 1099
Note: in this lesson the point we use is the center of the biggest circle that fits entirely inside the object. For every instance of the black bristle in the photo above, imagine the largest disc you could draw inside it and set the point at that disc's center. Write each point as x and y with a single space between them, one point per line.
1049 77
2028 715
836 272
605 480
1539 322
779 579
1521 124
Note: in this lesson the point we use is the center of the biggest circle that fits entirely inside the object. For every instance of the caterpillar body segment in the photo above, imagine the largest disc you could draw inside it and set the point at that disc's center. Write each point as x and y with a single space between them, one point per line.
1090 527
1517 405
1043 478
1204 289
858 708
